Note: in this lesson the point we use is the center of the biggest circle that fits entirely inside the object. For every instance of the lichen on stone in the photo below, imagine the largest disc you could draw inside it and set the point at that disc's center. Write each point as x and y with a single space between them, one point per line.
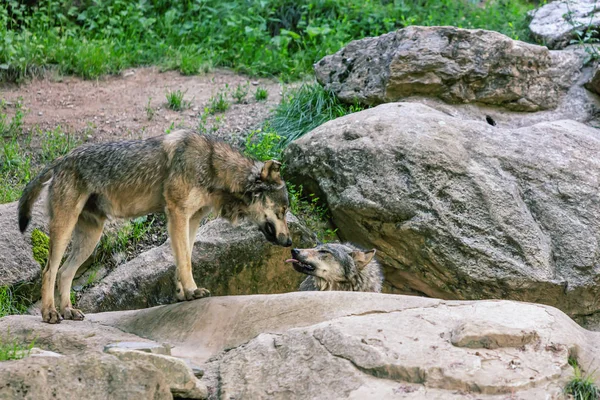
40 244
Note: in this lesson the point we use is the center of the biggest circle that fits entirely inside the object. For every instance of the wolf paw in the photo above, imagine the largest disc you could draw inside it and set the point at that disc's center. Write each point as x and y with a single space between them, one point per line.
196 294
51 316
73 313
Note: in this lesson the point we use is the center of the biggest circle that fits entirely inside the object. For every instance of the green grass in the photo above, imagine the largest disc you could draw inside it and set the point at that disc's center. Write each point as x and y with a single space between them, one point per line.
257 37
581 386
19 161
10 304
265 144
175 100
12 349
261 94
240 92
219 103
303 109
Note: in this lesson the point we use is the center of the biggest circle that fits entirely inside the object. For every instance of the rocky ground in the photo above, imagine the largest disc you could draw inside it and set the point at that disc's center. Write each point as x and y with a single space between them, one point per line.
299 345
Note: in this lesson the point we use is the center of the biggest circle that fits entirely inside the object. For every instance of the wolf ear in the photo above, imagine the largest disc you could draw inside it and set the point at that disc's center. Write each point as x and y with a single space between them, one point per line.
270 172
362 259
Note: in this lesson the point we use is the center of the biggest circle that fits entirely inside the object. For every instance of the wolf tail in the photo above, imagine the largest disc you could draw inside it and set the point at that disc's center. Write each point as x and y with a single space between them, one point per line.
32 192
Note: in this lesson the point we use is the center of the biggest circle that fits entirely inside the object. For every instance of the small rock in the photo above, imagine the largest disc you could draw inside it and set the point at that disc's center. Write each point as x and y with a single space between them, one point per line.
40 113
146 347
255 83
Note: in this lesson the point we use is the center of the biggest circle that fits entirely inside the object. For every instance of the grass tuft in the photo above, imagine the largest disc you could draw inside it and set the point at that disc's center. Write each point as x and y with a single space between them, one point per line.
581 386
240 93
175 100
219 103
10 304
305 108
261 94
11 349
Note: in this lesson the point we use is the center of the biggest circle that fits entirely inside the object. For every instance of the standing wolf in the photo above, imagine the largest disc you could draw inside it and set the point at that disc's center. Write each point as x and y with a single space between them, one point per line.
335 266
184 174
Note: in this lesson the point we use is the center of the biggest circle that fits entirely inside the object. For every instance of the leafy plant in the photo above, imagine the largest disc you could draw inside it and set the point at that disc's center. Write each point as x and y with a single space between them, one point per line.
240 93
257 37
585 37
261 94
218 103
175 100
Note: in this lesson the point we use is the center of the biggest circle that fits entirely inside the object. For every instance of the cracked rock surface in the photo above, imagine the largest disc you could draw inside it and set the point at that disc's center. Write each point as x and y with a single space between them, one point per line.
460 209
325 345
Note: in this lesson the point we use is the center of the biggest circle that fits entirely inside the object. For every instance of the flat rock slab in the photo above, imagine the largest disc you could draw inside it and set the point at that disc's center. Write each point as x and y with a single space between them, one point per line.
326 345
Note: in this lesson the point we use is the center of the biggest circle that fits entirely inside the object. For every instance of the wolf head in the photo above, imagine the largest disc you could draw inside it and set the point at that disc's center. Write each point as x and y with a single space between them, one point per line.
269 204
332 262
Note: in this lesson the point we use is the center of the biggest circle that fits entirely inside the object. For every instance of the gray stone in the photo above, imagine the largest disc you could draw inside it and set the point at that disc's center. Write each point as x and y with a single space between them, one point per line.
462 209
182 381
18 269
453 64
555 23
226 259
89 376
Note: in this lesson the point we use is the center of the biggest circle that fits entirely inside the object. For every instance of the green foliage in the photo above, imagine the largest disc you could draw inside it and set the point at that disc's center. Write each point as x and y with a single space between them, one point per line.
40 243
261 94
265 144
118 245
15 162
258 37
149 110
219 103
175 100
11 349
10 304
240 93
56 143
581 386
303 109
586 37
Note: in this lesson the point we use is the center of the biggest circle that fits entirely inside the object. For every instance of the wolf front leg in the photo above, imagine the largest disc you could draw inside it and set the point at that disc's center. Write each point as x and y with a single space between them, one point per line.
178 226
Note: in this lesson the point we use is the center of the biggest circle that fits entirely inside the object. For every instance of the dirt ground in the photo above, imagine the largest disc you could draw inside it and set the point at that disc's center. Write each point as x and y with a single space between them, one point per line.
116 106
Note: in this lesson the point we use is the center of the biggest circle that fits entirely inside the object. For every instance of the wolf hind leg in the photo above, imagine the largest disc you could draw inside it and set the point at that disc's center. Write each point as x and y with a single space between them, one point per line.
86 236
64 215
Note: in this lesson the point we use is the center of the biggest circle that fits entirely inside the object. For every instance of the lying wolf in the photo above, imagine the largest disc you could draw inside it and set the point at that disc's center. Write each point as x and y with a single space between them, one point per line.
184 174
335 266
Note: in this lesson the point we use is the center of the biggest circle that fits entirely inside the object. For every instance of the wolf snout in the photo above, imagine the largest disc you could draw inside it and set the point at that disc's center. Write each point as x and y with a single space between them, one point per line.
295 253
285 241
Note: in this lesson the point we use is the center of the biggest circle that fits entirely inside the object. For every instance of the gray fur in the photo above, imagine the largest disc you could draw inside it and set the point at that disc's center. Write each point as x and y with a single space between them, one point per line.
342 273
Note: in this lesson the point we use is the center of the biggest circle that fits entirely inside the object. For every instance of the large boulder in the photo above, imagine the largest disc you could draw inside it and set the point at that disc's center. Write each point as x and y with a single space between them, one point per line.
325 345
456 65
555 22
18 269
461 209
226 260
